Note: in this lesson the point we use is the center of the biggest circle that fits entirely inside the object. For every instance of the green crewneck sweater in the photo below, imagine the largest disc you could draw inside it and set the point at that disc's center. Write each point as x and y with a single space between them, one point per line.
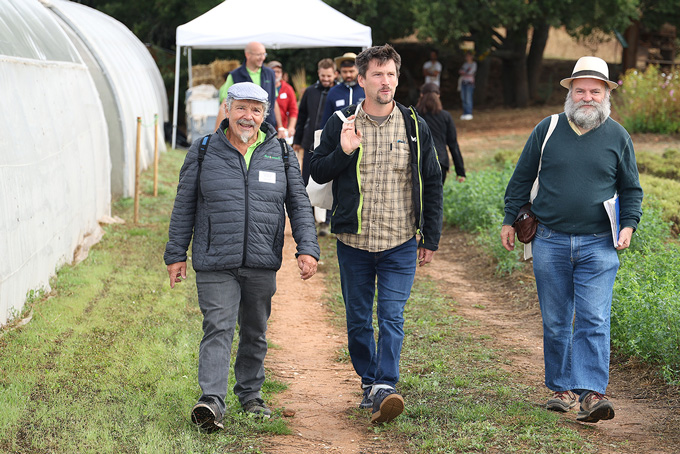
578 173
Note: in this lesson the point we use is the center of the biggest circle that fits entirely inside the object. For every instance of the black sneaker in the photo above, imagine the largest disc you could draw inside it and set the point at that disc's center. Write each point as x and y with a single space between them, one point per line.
387 405
594 408
206 416
257 407
367 400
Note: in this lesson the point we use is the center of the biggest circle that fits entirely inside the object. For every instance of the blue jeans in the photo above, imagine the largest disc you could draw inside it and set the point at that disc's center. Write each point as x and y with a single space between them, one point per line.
466 92
243 296
575 277
395 270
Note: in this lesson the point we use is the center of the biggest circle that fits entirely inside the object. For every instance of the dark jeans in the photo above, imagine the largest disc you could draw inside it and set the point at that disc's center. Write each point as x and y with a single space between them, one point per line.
395 270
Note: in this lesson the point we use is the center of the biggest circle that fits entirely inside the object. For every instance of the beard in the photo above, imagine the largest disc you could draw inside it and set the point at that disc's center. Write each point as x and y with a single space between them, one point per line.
384 100
587 118
246 136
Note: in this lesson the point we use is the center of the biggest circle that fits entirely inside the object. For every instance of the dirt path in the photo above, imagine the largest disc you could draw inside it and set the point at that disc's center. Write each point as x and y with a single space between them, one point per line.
322 392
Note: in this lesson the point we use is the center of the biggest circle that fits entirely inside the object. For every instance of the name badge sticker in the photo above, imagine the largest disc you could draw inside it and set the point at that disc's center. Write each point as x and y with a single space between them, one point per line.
283 95
339 103
267 177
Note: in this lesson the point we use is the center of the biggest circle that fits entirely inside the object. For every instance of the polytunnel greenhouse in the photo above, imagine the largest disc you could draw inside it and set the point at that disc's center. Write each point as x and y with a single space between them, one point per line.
73 83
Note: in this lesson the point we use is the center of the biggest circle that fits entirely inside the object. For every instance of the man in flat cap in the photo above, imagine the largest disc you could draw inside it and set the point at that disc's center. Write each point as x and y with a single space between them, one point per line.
580 159
235 188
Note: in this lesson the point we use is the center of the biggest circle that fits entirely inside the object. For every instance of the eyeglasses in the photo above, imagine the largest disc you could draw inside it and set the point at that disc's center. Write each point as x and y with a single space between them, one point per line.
263 54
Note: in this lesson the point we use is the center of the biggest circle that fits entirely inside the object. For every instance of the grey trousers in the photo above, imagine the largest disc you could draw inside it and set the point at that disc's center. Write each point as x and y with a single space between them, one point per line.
242 296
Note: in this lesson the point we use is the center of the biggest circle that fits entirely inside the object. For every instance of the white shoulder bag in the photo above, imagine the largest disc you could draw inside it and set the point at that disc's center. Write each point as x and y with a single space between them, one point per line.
321 195
534 189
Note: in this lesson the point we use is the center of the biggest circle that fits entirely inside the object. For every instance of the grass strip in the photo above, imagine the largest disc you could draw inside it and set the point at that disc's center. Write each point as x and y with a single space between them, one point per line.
108 363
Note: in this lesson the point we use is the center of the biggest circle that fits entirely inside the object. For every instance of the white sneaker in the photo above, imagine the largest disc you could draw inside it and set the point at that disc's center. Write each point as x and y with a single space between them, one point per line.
466 117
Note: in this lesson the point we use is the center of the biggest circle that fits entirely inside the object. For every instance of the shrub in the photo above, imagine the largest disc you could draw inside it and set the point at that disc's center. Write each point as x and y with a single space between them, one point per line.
649 101
645 319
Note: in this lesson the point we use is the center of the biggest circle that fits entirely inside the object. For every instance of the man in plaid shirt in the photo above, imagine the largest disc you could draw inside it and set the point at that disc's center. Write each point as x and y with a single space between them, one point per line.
387 215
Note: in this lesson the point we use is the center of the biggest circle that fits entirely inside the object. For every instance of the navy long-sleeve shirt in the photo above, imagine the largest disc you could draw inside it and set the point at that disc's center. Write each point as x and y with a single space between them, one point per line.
578 173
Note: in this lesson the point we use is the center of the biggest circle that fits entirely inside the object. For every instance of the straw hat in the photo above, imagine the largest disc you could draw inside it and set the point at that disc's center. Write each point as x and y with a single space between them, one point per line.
351 56
590 68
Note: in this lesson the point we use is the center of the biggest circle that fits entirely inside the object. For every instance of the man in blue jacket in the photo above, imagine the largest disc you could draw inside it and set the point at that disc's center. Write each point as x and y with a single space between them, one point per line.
586 160
346 93
233 199
387 215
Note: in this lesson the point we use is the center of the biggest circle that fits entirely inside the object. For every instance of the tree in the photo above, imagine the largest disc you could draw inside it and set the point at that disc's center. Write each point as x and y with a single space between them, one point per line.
504 29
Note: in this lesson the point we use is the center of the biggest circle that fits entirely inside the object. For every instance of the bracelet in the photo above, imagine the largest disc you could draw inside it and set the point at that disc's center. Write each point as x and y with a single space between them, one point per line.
282 129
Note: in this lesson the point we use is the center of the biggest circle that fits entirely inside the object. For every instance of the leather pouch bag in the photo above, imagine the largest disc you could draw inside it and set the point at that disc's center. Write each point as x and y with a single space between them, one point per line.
525 224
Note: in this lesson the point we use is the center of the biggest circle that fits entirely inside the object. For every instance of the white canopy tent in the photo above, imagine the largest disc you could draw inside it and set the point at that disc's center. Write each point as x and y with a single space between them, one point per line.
295 24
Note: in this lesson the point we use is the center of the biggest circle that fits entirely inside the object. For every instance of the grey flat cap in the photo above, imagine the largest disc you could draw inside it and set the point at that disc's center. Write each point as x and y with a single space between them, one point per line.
248 90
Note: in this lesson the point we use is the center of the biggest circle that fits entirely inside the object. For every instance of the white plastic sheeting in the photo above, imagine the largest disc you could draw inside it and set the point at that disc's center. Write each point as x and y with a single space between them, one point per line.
137 85
54 162
72 83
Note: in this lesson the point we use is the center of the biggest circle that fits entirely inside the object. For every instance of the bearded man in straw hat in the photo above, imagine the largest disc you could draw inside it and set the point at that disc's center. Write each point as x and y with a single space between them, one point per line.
586 159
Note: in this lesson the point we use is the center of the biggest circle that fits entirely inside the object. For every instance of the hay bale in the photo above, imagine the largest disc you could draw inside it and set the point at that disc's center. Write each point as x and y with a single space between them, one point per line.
220 67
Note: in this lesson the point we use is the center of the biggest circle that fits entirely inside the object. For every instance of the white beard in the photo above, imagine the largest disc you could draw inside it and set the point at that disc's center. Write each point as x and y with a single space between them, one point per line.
244 136
587 118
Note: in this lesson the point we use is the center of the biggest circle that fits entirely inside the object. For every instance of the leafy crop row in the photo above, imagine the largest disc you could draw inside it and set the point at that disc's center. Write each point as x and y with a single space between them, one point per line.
646 304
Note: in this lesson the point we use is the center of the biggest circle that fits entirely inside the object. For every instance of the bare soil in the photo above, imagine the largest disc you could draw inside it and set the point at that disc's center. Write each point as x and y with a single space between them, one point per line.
323 393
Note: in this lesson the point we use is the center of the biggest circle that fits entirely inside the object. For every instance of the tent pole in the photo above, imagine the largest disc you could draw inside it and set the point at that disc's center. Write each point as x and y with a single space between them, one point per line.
174 110
190 75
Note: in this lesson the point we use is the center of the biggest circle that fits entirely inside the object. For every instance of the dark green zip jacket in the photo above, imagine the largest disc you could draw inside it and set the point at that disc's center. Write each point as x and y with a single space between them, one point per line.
329 162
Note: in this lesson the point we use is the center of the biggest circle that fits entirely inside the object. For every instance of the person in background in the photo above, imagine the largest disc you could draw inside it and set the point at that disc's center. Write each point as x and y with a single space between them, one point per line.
252 70
443 130
467 84
587 159
432 69
311 109
285 98
346 93
233 203
387 188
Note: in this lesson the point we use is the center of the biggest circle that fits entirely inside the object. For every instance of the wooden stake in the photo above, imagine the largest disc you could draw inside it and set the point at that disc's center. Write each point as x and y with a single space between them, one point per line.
137 168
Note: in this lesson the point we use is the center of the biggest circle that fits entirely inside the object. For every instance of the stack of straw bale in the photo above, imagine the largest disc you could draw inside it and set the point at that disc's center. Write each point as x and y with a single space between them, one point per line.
213 73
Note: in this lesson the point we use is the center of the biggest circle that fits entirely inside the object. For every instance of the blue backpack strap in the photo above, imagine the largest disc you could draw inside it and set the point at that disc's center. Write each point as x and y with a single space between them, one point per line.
202 149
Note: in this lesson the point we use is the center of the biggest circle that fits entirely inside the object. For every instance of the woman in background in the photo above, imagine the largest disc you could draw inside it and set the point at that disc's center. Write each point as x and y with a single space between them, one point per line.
443 130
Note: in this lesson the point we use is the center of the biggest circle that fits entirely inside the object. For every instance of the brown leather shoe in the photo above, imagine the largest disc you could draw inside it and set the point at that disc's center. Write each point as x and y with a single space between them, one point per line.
561 401
595 407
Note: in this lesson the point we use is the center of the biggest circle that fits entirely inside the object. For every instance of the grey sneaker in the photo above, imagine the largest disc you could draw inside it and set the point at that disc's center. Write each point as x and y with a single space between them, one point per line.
257 407
595 407
387 405
367 400
561 401
206 416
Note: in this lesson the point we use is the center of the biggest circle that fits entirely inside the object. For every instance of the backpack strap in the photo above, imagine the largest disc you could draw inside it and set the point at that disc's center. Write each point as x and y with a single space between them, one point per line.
202 149
284 156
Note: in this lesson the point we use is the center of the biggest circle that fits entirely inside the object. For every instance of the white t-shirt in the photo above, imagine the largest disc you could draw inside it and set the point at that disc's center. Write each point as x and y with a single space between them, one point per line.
436 66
